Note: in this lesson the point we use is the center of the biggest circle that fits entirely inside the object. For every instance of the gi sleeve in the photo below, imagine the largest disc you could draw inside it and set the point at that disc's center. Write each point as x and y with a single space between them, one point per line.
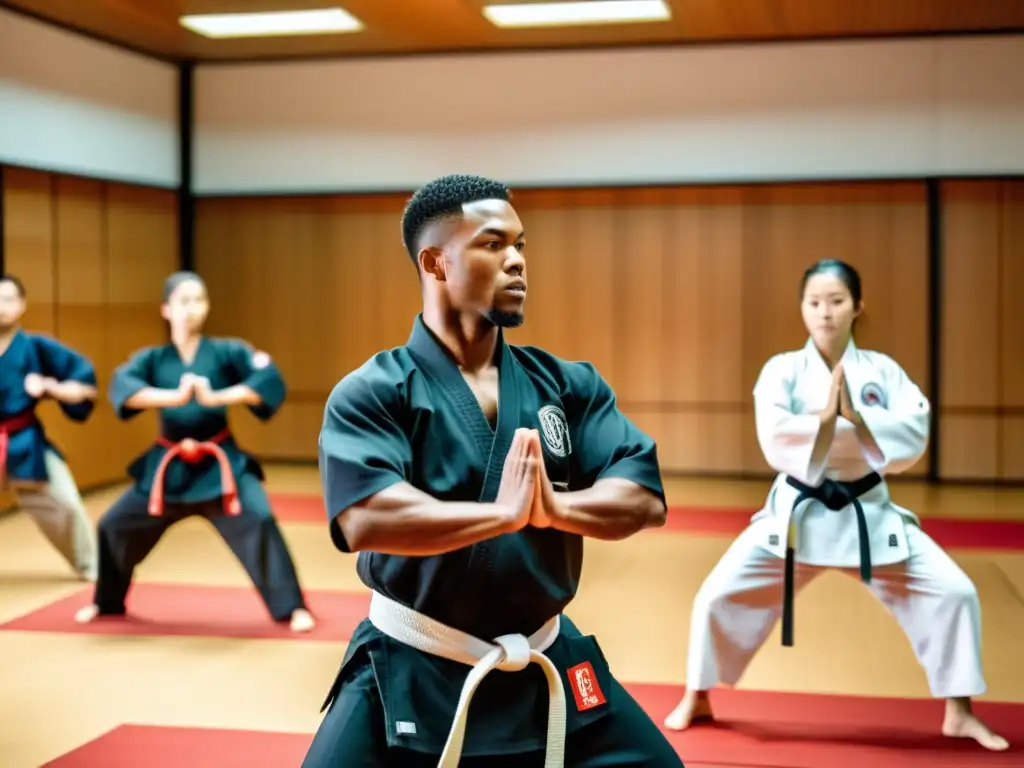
65 364
256 370
607 444
786 438
130 378
901 426
362 447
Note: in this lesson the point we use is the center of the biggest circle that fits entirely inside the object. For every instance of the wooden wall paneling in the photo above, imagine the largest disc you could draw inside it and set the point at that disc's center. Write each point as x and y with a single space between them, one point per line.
588 285
299 315
320 283
142 250
35 242
142 245
271 318
677 295
1011 331
641 313
29 236
354 282
400 297
782 234
885 237
228 258
607 285
552 251
86 250
28 251
228 261
639 273
972 369
572 260
983 354
705 402
80 305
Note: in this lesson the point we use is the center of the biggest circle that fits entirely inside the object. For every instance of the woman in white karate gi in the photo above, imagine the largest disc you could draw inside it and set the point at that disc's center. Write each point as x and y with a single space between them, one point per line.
833 419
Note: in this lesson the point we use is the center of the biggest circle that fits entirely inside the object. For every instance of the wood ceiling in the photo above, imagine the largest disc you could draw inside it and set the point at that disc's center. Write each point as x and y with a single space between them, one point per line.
419 26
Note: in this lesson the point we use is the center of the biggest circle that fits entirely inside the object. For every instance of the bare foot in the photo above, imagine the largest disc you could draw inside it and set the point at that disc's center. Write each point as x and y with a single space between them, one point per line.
87 614
302 621
961 723
695 706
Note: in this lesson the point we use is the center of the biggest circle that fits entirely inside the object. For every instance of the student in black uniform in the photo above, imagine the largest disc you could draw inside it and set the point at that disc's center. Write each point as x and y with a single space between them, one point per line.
195 467
466 472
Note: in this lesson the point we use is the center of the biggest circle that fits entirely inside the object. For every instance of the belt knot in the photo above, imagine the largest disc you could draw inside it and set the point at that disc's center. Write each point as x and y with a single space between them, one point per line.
517 652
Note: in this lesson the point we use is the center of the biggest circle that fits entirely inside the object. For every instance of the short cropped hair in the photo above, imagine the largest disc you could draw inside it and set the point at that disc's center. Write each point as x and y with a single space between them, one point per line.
442 198
19 286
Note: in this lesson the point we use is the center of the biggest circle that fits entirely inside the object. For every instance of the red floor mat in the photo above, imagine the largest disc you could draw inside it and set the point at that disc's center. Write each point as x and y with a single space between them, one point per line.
199 611
165 747
948 532
761 729
144 746
757 730
299 508
951 533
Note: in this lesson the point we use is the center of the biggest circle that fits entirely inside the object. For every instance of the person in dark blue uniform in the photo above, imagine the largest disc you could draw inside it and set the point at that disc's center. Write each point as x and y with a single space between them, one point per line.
466 472
195 467
34 367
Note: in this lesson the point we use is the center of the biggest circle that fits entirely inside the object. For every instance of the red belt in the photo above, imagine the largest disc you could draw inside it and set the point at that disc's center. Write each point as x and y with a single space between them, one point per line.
191 451
10 427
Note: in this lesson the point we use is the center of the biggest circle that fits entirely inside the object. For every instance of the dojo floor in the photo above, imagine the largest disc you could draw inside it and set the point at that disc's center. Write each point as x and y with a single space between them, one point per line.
61 689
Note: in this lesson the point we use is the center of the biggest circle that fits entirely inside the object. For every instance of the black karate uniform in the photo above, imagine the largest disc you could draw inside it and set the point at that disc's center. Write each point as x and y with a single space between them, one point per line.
407 415
227 488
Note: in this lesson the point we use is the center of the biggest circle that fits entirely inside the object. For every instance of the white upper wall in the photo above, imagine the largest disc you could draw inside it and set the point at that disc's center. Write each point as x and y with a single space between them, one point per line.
70 104
734 113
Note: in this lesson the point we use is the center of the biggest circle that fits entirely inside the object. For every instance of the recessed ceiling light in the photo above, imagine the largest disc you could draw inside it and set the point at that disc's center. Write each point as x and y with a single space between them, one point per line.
577 13
322 21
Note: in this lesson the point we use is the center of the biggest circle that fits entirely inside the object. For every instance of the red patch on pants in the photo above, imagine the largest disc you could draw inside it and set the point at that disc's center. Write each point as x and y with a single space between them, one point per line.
584 686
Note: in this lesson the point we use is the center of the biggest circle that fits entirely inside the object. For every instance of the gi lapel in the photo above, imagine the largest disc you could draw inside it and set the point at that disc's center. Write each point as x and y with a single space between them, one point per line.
18 358
815 362
854 374
508 419
19 345
849 358
441 367
814 384
10 344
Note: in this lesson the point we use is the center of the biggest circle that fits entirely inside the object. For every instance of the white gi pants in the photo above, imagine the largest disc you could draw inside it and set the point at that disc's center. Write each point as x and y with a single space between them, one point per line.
57 508
931 597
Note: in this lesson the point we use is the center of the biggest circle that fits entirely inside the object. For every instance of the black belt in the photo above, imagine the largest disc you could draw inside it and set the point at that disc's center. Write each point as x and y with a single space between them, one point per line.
835 495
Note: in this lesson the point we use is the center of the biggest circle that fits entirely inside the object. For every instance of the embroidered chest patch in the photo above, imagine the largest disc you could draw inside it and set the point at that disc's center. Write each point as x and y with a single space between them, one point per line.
554 428
872 395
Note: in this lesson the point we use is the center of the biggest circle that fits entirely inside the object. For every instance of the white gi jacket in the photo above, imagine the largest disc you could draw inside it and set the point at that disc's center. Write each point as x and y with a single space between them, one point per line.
791 391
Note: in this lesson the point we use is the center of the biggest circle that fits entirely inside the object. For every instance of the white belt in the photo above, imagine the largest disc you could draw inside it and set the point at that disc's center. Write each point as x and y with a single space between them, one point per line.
508 653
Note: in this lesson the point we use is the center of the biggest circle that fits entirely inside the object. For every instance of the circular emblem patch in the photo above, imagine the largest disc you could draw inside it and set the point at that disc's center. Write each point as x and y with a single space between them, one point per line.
872 395
555 430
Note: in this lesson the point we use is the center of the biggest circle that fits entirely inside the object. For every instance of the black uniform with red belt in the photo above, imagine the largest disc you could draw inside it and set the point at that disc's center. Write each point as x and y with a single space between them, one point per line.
195 467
